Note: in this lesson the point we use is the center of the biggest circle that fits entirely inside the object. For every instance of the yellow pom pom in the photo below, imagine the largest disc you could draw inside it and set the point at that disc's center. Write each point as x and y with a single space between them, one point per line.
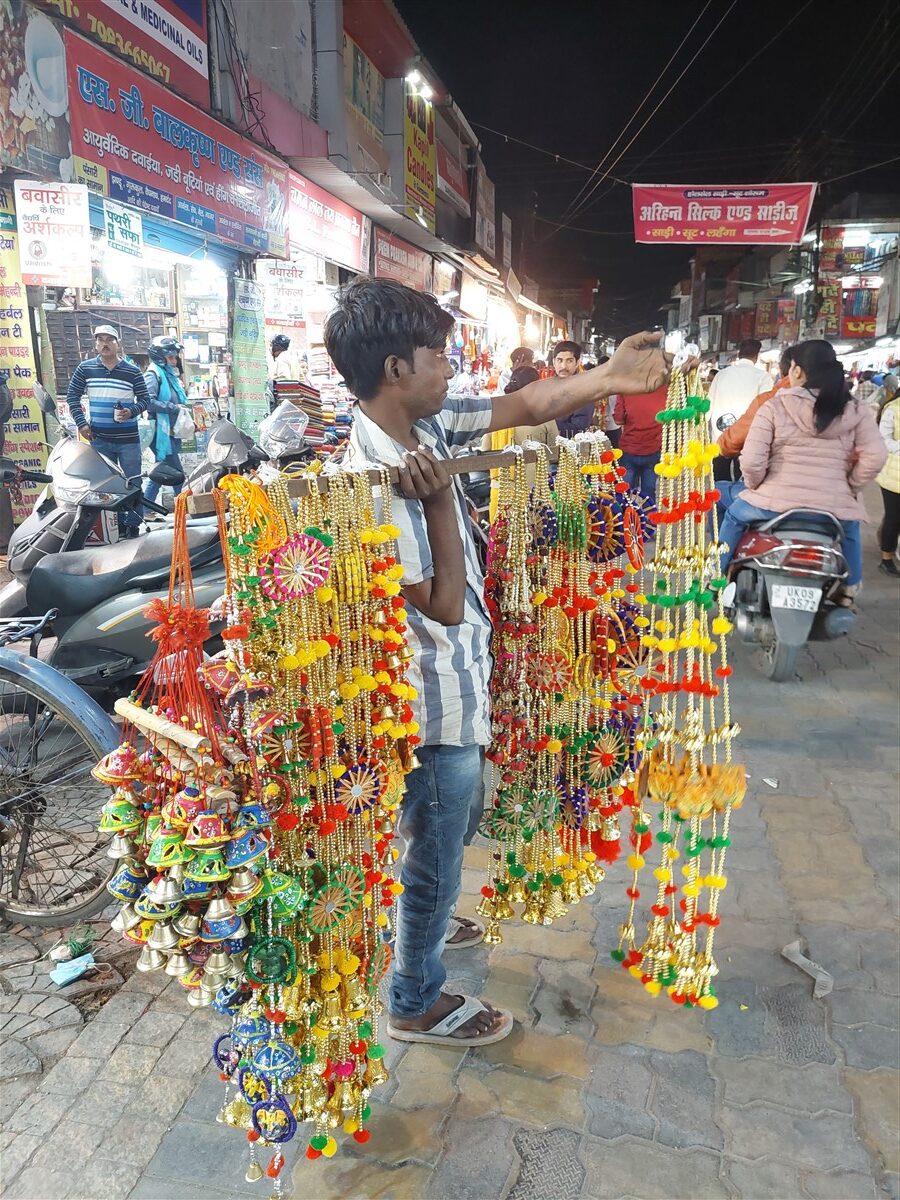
539 597
367 682
350 1126
708 1002
348 691
337 770
634 861
554 745
330 982
721 625
413 727
653 986
290 662
396 889
663 874
635 971
381 920
324 594
330 1148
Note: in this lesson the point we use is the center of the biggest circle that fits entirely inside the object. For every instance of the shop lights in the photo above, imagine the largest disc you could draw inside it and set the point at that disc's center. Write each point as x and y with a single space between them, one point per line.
873 282
418 85
857 237
804 286
844 348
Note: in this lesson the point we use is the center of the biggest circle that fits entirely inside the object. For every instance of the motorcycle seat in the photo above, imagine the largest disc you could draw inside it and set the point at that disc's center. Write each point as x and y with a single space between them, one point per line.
802 520
75 582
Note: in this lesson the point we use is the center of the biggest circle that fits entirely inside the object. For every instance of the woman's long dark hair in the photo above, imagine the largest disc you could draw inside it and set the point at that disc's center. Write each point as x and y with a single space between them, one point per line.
824 375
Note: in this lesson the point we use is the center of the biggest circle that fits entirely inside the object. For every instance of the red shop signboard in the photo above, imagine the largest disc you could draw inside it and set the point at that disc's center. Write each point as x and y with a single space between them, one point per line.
773 214
165 38
321 224
858 327
137 143
398 260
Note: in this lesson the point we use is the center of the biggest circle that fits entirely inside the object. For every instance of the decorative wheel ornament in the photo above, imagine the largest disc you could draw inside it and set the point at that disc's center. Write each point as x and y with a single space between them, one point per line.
604 529
544 526
574 807
376 967
549 672
330 905
352 878
606 758
271 960
359 788
636 525
296 568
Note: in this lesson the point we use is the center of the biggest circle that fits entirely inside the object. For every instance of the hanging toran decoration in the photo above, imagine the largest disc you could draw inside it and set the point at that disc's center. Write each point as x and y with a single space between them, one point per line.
688 775
567 709
256 827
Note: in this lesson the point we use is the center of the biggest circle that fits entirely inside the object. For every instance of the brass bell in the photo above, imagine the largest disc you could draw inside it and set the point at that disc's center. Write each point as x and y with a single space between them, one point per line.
486 907
163 937
201 997
387 714
586 885
503 910
331 1015
165 891
414 762
126 918
595 873
393 662
570 892
176 872
554 907
376 1073
517 892
121 846
150 959
492 934
219 909
178 964
532 913
312 1099
218 963
187 925
254 1171
355 995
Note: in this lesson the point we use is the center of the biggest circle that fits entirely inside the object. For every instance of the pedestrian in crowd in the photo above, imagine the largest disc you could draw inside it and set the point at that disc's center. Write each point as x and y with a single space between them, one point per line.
731 439
283 366
640 439
520 357
811 446
889 478
166 398
866 387
388 342
545 433
116 395
566 363
731 393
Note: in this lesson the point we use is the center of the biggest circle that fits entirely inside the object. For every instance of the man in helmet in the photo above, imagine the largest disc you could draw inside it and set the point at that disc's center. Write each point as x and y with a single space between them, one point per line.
166 398
283 366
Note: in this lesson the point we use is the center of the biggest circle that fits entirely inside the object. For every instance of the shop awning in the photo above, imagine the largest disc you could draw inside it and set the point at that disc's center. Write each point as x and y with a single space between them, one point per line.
533 306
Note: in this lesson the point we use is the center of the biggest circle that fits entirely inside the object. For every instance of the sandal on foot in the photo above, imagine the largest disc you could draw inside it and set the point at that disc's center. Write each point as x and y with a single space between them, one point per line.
474 933
441 1034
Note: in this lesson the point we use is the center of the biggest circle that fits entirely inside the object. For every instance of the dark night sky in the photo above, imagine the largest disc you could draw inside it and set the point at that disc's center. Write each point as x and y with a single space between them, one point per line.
568 76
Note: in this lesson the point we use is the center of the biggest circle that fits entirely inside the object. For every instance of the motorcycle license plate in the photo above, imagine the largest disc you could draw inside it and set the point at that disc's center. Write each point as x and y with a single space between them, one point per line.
789 595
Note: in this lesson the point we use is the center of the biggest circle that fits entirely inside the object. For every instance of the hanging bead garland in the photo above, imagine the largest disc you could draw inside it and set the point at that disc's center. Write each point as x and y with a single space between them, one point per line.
272 836
567 710
689 773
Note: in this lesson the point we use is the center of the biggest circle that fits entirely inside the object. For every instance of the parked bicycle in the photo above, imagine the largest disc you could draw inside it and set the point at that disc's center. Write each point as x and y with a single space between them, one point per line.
53 866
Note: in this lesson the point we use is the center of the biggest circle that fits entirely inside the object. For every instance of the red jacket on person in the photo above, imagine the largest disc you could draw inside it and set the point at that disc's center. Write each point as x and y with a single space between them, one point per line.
641 432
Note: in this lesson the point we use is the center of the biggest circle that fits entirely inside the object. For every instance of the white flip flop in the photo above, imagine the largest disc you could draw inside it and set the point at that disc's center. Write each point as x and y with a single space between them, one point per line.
441 1034
474 938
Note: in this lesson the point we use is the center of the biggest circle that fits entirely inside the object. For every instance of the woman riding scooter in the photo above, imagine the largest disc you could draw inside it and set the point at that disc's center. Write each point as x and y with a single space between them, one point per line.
166 398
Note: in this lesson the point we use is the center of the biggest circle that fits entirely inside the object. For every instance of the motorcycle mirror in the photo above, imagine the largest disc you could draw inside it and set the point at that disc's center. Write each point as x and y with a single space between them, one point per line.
166 476
44 399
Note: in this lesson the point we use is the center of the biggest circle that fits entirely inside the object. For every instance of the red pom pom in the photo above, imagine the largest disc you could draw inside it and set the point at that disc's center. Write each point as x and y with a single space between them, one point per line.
361 1135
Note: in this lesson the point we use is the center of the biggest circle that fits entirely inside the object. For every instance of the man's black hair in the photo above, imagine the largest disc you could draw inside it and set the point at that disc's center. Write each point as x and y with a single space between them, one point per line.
567 348
750 348
376 318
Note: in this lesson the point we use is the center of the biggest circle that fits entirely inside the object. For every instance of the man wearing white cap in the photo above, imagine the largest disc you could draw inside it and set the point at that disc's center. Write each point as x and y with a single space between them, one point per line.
116 396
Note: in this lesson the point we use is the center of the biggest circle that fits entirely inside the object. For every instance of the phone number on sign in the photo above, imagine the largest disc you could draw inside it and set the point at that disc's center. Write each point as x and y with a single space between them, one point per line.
128 49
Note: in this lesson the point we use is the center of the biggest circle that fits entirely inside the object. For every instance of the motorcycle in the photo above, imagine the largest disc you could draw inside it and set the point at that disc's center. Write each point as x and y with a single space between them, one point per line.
786 575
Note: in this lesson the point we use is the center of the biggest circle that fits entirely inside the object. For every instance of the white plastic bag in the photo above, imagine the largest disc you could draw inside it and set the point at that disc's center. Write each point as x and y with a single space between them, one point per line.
183 426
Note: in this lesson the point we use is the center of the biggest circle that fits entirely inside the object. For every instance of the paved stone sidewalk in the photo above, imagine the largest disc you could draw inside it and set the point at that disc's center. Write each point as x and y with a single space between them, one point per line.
601 1091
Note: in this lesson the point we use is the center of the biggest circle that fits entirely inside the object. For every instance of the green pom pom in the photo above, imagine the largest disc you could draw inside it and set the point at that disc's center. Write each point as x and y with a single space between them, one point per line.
376 1051
617 955
365 1030
318 1141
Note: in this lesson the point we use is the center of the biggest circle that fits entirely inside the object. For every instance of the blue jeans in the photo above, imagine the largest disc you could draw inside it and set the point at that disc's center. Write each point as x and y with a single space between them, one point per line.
151 487
439 814
740 514
639 472
127 455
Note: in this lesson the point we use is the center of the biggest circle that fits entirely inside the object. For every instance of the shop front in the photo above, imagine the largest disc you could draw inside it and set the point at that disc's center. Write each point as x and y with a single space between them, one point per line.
330 243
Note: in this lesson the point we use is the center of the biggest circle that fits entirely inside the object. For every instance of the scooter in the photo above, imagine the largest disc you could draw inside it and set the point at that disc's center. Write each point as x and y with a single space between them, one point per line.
101 593
785 576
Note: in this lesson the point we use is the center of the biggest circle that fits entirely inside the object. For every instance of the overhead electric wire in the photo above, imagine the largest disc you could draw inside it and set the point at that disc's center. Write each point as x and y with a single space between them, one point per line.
580 207
574 205
871 167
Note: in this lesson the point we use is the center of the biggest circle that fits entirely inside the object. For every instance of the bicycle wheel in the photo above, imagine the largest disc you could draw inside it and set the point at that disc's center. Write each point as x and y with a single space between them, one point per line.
53 864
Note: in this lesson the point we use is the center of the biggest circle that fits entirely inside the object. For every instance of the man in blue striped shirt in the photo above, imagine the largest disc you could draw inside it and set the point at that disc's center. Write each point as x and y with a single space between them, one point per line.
389 343
116 395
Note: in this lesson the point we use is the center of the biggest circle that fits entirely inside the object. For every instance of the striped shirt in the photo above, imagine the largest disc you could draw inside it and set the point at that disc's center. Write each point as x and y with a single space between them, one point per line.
452 664
104 389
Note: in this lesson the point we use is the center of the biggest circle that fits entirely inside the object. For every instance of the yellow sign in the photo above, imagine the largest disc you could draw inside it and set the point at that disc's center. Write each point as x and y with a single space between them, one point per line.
25 427
419 166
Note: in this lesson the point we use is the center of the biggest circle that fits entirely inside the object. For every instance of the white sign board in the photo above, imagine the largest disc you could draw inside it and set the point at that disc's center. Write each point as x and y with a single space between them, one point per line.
124 228
54 233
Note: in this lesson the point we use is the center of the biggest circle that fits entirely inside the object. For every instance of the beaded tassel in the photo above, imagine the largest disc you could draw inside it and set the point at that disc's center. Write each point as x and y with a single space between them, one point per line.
687 681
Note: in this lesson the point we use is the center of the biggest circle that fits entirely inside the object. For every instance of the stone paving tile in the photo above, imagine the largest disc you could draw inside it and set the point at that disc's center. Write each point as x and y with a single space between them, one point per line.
477 1161
824 1141
634 1167
550 1167
877 1095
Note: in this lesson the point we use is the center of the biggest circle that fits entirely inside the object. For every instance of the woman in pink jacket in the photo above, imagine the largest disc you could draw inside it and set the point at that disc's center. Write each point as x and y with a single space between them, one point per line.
812 446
